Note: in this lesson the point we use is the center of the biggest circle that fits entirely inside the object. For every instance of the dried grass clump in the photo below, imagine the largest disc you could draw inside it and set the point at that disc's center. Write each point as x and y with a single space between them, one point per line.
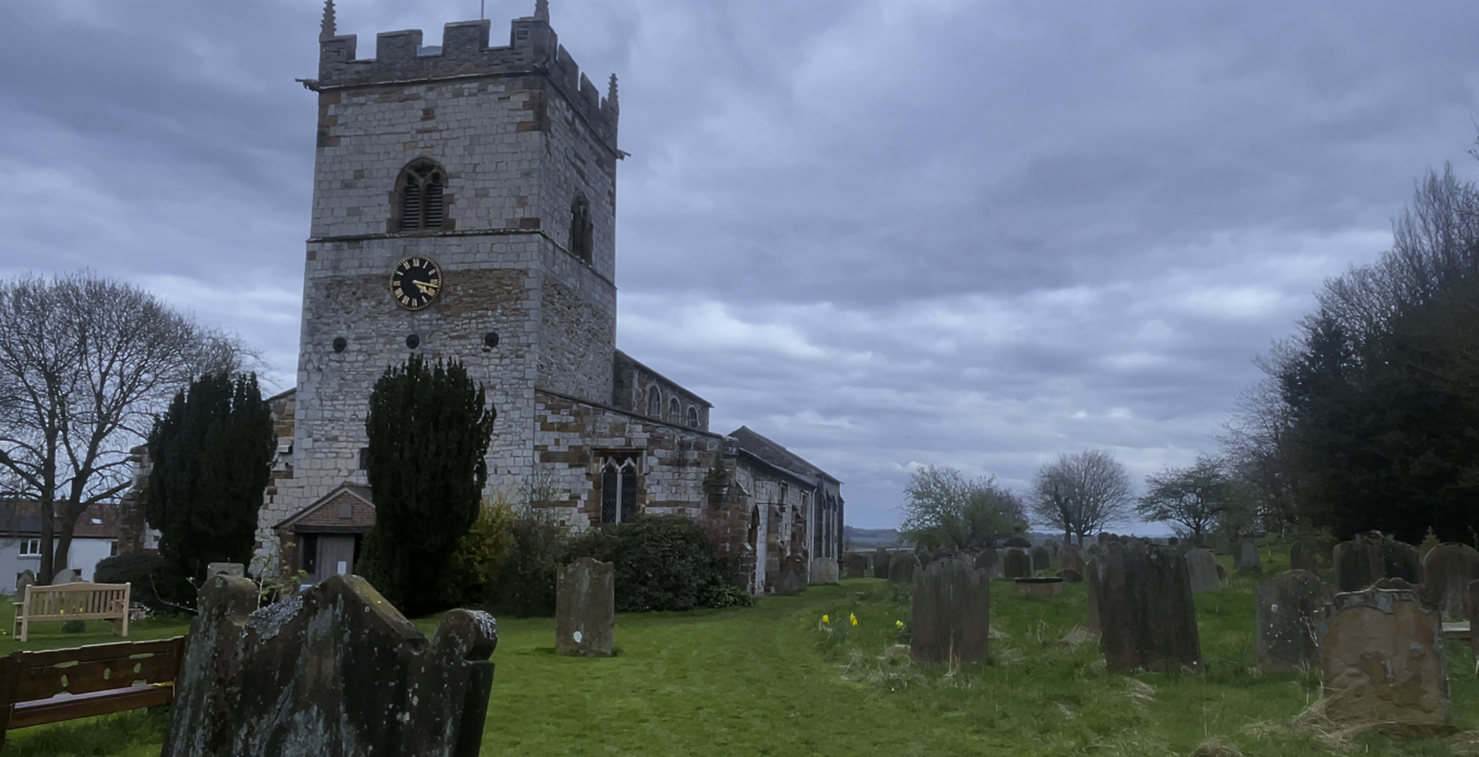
1215 747
1077 637
1141 693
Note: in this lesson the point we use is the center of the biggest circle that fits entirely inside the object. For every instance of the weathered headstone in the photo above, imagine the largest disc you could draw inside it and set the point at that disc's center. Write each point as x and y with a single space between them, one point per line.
1302 556
25 578
1016 564
64 576
792 576
882 561
228 569
824 570
1447 570
901 568
585 608
1071 576
1072 560
1384 661
1147 618
1201 571
335 671
950 618
1042 559
857 565
1246 558
989 562
1288 609
1373 555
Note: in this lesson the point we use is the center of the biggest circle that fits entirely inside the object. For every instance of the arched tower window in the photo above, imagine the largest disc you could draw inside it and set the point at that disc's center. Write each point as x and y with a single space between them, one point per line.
675 411
692 417
581 228
654 402
421 204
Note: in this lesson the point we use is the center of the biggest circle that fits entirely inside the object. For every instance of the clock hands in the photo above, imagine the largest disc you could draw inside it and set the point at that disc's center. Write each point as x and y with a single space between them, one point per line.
427 288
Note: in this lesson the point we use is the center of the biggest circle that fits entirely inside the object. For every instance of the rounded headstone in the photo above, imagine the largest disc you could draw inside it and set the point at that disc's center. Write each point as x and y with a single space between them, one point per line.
901 567
1302 556
1016 564
1447 570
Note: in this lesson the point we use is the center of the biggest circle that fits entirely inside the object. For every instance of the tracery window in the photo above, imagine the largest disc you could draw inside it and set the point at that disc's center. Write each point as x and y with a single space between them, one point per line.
421 201
692 417
675 411
618 491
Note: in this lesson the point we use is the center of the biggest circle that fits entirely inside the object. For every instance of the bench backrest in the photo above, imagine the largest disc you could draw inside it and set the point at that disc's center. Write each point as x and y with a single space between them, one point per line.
96 667
77 600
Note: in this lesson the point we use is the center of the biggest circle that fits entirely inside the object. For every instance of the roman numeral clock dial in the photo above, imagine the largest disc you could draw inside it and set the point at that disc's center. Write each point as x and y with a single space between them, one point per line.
416 282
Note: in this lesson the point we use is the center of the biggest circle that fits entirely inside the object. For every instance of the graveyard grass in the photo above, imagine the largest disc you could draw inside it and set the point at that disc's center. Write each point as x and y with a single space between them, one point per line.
770 680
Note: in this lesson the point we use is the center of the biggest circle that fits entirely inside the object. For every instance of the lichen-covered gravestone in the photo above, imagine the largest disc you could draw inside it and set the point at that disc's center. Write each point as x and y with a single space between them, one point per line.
902 567
585 608
1201 571
882 559
951 613
857 565
1302 556
792 577
1246 558
1383 661
1447 570
1147 618
824 570
1288 610
23 579
1042 559
334 672
1372 556
1016 564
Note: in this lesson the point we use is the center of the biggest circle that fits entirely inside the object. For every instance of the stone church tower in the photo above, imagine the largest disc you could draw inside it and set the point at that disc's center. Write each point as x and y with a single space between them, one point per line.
463 207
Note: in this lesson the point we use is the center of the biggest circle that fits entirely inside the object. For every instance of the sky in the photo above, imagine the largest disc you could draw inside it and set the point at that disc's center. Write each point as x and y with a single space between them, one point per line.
883 234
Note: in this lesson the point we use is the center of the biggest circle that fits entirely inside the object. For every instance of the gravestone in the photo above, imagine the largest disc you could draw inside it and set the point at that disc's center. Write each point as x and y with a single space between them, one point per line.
1246 558
334 671
1016 564
1071 576
951 613
1429 542
585 608
1147 618
1302 556
1042 559
64 576
228 569
989 562
1201 571
792 576
23 579
1447 570
1072 561
882 560
1383 660
1371 556
857 565
1288 610
824 571
901 568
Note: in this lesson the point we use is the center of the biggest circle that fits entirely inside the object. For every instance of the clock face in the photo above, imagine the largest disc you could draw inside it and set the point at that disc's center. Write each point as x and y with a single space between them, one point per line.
416 282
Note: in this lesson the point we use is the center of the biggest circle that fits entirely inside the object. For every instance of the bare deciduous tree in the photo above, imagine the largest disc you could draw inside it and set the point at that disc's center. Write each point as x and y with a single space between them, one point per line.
1081 493
85 362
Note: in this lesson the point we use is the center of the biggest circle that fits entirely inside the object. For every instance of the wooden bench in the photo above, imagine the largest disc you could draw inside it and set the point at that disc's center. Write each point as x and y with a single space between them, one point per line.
74 601
83 682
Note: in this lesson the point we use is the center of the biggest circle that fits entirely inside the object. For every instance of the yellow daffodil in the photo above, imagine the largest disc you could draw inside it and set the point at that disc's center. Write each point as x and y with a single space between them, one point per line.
826 619
853 618
898 624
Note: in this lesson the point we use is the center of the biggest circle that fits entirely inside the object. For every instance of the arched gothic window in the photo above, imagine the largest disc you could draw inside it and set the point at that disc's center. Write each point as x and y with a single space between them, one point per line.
654 402
421 205
692 417
618 491
675 411
581 228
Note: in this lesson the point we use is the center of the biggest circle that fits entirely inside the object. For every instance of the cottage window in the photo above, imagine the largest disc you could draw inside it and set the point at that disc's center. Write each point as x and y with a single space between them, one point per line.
654 402
692 417
421 204
618 491
30 547
581 228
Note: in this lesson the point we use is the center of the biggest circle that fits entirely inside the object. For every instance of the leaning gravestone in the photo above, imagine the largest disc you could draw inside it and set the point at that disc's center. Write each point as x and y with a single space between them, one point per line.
901 568
1288 608
989 562
335 671
1372 556
1147 618
25 578
882 560
824 570
1246 558
857 565
1201 571
1447 570
1302 556
585 608
951 613
792 577
1042 559
1016 564
1383 661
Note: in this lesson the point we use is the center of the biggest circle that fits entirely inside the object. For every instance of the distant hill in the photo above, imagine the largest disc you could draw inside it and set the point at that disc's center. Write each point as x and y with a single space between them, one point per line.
865 539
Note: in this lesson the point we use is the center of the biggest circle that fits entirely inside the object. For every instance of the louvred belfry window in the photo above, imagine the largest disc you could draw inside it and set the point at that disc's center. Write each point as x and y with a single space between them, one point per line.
422 204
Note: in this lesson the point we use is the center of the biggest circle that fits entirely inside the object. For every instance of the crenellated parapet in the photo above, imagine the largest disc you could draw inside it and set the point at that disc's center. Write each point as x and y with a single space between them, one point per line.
401 58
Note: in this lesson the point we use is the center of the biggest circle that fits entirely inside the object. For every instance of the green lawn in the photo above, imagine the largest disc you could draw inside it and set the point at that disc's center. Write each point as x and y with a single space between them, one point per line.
765 680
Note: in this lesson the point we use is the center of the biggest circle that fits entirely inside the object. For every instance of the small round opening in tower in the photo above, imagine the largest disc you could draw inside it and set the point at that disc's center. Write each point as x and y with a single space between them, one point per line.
340 343
491 339
413 341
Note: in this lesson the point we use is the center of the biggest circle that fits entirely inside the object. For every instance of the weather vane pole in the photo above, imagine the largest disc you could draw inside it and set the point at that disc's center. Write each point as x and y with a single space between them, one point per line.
482 9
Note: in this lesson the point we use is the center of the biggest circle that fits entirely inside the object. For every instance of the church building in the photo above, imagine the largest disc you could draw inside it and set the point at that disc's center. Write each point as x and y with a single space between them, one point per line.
464 206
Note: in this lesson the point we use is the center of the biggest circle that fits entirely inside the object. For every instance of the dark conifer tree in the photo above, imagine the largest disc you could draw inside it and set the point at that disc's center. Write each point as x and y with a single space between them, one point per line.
429 427
212 457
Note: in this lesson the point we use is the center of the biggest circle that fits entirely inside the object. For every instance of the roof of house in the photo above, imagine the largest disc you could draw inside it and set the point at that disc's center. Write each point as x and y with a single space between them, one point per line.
776 455
23 518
